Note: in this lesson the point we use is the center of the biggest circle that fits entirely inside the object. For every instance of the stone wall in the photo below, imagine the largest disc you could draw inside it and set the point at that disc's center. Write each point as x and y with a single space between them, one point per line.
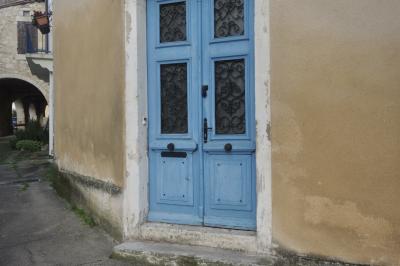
7 3
13 65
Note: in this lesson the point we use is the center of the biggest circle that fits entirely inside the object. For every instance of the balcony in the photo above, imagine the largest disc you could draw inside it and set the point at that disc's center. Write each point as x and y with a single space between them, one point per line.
31 40
35 46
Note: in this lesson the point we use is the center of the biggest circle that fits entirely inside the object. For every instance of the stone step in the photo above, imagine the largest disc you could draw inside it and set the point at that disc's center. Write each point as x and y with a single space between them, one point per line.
153 253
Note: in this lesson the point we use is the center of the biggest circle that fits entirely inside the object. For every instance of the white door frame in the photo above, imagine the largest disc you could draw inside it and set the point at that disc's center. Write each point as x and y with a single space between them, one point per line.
135 205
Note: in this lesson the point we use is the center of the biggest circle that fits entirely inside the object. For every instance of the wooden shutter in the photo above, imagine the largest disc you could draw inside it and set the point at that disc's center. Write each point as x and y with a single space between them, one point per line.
21 37
27 38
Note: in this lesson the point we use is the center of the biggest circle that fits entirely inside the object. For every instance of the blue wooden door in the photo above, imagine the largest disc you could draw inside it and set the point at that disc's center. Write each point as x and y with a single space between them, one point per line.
201 112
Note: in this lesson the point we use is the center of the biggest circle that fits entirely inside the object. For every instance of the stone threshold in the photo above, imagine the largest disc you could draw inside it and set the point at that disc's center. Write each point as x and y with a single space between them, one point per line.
230 239
162 253
144 253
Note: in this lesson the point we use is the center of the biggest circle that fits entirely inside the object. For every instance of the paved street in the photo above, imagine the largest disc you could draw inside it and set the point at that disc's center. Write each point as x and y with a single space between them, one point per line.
36 226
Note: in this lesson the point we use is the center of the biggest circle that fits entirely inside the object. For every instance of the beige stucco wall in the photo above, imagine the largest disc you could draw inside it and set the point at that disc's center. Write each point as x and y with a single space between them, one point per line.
89 88
335 96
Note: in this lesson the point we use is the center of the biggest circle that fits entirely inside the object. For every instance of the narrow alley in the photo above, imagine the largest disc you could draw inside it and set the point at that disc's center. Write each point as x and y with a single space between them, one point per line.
36 226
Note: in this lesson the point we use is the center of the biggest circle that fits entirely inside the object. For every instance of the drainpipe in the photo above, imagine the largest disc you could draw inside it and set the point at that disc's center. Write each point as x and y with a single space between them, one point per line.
49 49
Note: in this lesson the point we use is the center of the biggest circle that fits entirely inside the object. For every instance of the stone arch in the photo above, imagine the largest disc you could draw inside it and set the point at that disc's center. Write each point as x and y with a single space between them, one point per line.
32 95
40 86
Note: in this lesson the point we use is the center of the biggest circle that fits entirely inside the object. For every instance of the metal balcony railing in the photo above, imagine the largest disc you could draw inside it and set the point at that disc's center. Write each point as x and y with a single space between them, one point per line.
31 40
38 43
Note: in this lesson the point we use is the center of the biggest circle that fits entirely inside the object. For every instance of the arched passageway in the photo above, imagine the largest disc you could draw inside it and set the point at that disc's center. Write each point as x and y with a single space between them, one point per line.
19 102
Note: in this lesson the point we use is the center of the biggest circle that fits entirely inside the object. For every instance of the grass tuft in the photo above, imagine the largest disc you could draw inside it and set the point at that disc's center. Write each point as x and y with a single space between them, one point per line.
64 189
87 219
60 184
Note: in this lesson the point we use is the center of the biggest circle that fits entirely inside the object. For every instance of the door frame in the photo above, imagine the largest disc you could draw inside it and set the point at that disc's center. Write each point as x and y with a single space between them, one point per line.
135 199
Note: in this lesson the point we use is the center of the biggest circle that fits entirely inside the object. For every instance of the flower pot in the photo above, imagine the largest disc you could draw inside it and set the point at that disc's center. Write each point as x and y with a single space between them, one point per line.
44 29
42 20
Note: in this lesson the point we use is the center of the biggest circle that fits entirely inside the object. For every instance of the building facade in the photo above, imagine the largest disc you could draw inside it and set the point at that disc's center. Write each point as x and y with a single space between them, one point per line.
179 121
22 81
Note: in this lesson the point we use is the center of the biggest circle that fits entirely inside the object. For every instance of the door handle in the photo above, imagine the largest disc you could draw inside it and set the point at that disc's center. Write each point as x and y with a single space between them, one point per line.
171 146
204 90
205 130
228 147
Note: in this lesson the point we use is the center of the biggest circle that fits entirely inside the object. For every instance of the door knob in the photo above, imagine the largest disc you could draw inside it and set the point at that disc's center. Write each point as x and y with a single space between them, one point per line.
171 147
228 147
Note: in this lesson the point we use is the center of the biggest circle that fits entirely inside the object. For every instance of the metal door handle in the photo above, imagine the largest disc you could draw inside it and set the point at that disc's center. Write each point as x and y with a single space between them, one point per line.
204 90
205 130
228 147
171 146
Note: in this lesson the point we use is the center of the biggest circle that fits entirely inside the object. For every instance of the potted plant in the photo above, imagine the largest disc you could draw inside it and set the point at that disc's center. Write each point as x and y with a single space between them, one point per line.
41 21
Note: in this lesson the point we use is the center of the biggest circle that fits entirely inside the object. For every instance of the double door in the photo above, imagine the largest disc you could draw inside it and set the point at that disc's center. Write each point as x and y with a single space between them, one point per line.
201 112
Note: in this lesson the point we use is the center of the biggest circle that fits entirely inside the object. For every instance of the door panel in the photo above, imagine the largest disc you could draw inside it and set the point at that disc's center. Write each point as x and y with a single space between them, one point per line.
173 112
229 191
201 142
174 180
229 185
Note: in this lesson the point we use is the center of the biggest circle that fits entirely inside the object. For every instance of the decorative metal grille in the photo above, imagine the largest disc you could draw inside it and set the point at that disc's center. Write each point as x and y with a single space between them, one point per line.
228 18
174 113
173 22
230 114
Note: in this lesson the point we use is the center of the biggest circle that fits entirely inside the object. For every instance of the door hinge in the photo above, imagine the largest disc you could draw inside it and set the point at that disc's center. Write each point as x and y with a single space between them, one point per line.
204 90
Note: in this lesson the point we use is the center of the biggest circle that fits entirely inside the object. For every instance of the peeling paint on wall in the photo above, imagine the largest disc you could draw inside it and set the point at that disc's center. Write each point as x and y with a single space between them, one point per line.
371 231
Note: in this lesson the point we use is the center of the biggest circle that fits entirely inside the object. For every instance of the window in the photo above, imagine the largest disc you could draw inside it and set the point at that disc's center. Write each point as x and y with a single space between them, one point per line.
27 38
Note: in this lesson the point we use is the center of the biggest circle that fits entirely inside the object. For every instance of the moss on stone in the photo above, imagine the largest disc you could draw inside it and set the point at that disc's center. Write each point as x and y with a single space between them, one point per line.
86 218
145 259
60 184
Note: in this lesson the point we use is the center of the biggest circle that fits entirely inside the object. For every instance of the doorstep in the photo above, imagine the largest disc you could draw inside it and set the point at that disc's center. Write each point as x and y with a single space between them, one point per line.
200 236
145 253
162 253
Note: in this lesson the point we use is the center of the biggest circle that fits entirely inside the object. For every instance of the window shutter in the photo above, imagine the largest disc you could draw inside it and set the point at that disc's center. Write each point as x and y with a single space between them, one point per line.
21 37
33 38
27 38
